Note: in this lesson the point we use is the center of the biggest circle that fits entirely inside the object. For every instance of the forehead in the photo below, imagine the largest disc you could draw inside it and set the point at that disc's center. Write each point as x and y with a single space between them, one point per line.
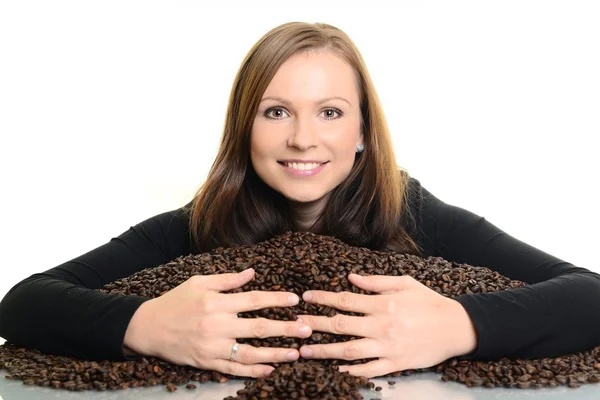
314 75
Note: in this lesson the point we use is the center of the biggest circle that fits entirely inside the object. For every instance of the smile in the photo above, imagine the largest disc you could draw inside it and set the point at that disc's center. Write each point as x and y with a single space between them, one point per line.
303 169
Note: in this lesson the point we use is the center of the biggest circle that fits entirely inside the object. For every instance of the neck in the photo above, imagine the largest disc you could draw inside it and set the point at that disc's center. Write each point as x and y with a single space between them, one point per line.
306 214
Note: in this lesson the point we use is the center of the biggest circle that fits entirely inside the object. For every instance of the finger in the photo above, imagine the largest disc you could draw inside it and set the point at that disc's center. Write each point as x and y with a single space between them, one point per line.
371 369
340 324
222 282
263 328
255 300
237 369
381 283
347 301
350 350
247 354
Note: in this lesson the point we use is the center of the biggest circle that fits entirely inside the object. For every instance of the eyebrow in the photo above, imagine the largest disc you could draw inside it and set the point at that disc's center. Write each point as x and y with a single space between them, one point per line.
286 102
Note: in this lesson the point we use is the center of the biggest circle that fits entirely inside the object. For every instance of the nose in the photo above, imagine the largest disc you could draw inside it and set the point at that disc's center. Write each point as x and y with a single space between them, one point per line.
304 134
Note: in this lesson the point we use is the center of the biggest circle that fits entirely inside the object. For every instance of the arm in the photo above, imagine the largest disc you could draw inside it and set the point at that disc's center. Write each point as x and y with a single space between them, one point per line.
550 317
58 311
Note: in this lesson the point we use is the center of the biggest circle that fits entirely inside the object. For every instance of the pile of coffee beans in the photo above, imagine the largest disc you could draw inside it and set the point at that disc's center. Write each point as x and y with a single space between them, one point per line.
35 368
572 370
297 262
304 380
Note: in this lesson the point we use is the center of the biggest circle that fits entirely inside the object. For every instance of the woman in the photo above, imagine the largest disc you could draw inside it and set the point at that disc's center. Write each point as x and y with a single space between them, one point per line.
306 148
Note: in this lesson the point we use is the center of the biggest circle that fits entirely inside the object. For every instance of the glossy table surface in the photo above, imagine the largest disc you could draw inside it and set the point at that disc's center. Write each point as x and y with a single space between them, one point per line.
416 387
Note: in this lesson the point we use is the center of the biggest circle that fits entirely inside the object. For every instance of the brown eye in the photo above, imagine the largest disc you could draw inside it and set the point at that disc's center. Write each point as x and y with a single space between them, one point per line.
330 113
274 113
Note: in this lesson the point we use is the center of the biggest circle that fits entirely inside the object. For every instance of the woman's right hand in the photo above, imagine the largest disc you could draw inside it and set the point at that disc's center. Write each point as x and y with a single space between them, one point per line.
193 324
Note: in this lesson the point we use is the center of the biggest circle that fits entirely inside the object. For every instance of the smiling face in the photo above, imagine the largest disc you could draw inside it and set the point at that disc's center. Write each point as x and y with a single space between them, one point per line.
305 133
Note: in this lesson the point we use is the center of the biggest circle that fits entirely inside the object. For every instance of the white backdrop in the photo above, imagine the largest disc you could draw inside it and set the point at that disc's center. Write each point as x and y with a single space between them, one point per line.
112 112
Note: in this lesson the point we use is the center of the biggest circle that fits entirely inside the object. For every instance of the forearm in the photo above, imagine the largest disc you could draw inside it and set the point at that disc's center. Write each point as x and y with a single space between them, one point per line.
547 319
462 335
61 318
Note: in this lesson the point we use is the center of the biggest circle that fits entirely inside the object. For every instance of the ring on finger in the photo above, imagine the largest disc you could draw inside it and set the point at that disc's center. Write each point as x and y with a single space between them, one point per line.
234 350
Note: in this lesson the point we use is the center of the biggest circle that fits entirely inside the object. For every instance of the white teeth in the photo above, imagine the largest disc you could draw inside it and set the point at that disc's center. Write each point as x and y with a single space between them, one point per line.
302 166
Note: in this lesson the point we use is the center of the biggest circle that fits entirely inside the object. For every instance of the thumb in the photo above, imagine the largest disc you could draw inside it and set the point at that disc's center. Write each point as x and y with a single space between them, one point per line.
230 281
381 283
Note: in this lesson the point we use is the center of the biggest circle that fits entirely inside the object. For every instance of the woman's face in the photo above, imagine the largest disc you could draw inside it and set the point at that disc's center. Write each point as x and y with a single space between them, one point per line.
307 127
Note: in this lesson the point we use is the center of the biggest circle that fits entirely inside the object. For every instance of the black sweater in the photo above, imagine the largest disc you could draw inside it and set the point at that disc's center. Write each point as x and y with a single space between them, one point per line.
58 311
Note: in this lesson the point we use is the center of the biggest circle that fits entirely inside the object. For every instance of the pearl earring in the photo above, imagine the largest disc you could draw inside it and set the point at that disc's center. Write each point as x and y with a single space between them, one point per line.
360 148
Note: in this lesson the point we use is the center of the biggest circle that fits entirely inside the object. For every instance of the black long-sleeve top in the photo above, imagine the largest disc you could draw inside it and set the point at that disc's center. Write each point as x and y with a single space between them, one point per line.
57 311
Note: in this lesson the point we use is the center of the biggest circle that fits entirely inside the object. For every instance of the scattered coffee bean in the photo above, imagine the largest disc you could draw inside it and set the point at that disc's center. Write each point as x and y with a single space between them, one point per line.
297 262
171 387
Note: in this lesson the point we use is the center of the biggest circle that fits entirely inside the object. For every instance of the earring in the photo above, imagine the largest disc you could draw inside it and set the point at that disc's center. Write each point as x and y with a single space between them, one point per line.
360 148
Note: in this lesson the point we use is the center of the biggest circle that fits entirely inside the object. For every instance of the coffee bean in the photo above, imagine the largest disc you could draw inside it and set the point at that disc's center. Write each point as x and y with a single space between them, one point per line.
171 387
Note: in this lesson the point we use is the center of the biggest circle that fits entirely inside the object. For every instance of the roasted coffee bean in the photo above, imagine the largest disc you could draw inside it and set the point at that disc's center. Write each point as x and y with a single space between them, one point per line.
171 387
297 262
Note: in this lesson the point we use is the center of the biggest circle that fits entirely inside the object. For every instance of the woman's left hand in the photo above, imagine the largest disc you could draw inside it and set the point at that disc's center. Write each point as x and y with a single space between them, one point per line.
406 326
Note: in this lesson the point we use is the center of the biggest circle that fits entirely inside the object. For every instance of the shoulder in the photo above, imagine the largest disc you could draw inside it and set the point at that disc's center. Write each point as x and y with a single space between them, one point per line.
423 215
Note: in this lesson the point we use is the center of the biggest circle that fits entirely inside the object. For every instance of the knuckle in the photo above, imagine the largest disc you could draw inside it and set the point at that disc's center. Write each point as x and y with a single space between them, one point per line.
207 305
255 300
321 352
339 322
291 328
196 279
351 351
260 327
246 356
232 368
345 300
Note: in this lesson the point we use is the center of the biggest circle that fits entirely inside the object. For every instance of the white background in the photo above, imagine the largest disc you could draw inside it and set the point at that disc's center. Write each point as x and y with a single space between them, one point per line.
111 112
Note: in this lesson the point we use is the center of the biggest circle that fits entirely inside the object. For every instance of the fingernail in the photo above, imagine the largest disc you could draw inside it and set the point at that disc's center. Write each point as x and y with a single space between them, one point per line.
268 371
293 299
306 352
304 331
307 296
357 276
247 272
292 355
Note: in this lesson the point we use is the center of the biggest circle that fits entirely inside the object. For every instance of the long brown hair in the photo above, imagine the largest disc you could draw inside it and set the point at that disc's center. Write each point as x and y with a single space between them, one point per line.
235 207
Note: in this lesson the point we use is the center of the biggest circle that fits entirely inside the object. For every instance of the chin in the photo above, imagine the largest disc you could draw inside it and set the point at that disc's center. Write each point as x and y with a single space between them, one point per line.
303 197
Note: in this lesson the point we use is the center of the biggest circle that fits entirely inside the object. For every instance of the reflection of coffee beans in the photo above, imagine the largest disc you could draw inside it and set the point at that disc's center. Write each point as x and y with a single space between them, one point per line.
297 262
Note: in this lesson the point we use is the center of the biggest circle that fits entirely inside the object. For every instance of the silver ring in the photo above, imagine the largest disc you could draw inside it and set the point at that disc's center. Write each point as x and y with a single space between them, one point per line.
234 350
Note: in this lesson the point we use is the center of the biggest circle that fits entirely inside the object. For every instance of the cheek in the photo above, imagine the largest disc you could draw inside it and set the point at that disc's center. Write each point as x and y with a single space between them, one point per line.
262 140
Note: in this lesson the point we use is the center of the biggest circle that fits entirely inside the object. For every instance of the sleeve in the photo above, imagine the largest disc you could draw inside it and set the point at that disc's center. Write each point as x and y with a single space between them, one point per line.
59 312
554 315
